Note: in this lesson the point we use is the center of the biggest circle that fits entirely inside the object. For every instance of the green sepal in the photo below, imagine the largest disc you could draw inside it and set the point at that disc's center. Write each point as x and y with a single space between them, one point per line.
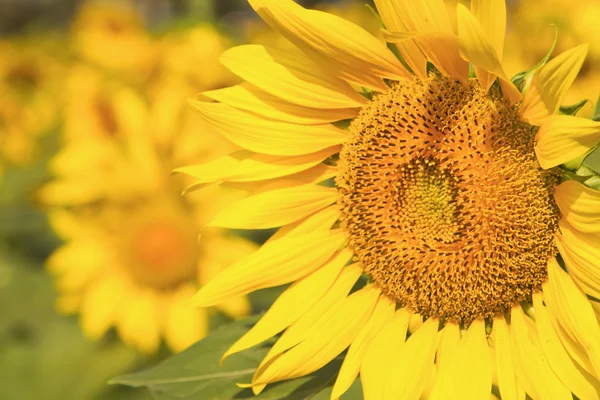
522 79
596 116
572 109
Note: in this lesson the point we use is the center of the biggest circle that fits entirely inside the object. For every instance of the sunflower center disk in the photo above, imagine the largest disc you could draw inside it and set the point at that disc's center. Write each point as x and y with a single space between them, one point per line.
446 207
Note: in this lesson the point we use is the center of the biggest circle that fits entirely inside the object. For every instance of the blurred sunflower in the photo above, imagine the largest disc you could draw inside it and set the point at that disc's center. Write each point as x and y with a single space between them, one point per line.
112 35
574 21
29 82
131 257
448 196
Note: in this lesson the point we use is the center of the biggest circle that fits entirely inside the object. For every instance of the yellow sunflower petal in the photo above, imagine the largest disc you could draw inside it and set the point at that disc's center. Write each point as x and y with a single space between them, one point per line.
320 313
477 48
138 323
320 221
531 367
550 84
573 311
273 264
424 17
580 205
323 345
235 307
579 251
360 57
391 13
65 192
384 311
291 76
293 303
246 166
275 208
269 137
558 358
250 98
491 15
468 374
377 361
509 386
100 304
408 374
184 325
562 138
449 339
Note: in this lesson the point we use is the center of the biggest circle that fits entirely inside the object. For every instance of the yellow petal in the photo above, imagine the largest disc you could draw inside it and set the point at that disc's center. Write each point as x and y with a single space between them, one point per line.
69 193
558 358
491 15
408 374
449 339
68 304
323 345
318 314
291 76
477 48
292 304
562 138
184 325
579 251
383 312
273 264
99 305
65 223
531 367
269 137
415 15
245 166
377 360
275 208
509 386
550 84
318 222
580 205
359 57
573 311
250 98
235 307
138 323
468 374
393 14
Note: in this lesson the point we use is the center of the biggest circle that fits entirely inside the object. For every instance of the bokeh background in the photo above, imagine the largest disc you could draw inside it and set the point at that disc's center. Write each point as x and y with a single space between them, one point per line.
79 79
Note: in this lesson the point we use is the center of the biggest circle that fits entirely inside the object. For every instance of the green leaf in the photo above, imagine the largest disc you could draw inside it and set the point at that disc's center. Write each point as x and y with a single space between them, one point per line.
195 373
572 109
522 79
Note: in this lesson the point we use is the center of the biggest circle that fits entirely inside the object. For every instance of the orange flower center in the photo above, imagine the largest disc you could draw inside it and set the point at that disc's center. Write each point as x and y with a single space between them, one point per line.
445 204
161 251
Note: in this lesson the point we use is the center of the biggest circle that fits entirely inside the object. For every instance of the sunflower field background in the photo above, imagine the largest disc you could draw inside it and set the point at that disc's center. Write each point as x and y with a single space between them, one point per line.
98 251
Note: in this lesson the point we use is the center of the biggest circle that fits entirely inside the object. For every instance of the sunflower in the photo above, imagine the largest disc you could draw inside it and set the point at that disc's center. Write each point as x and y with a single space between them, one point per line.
575 22
132 258
30 74
112 35
445 191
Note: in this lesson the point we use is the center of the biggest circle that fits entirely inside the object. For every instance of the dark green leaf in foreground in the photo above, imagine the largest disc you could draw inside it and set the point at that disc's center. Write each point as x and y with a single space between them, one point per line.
196 374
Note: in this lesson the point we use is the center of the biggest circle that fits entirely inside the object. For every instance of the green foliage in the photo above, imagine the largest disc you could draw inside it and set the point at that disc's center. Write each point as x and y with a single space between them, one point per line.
195 374
44 355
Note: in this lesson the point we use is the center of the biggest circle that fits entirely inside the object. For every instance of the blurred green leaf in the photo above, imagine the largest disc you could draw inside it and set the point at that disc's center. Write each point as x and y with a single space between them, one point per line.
44 355
195 373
